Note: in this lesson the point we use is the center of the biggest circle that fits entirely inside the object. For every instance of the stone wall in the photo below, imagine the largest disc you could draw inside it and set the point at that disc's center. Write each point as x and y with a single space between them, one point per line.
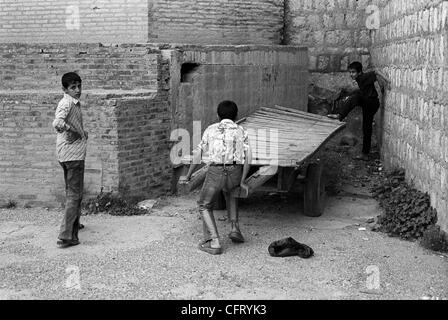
412 48
335 33
123 124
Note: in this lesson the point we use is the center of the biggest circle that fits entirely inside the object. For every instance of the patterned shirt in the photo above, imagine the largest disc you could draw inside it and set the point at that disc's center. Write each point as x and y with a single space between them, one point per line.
225 142
68 116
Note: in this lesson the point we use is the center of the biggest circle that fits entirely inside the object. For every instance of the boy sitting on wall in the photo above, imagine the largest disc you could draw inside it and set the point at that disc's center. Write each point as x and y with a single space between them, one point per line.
367 98
227 145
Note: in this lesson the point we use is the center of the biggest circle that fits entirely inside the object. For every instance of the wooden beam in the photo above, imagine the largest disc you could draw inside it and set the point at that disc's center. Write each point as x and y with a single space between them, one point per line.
256 180
196 181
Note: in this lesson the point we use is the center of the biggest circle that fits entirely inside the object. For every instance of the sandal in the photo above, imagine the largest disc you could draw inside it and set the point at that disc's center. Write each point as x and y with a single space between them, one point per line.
206 247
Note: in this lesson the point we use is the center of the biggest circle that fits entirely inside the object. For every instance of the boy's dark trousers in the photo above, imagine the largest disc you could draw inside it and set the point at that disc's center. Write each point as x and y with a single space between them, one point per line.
219 178
369 107
74 184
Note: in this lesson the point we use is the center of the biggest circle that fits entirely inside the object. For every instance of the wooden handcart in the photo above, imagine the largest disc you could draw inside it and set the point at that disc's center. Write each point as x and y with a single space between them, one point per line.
284 142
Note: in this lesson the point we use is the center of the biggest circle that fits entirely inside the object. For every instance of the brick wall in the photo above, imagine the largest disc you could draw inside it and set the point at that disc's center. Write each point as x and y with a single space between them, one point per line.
412 48
335 33
121 123
133 21
216 21
51 21
103 67
144 126
29 171
129 130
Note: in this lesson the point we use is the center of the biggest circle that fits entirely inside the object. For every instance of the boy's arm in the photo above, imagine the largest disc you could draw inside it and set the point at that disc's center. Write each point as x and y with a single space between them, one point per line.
382 76
247 157
61 114
382 79
61 125
246 167
197 156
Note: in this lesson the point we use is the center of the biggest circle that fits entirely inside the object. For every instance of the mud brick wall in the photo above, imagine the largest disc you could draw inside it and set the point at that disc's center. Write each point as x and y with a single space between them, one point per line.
412 48
252 76
143 145
335 33
29 93
106 21
139 21
216 21
29 172
102 67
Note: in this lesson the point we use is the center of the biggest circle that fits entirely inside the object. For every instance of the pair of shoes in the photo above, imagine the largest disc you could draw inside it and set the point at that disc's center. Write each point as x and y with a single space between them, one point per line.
206 247
81 226
363 157
67 243
236 237
333 116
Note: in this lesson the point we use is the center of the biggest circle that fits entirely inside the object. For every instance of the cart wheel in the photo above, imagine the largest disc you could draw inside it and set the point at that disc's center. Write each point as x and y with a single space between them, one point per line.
314 193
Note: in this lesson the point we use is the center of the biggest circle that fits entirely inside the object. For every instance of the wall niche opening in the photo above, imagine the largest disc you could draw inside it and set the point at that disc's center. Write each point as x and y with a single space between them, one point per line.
187 71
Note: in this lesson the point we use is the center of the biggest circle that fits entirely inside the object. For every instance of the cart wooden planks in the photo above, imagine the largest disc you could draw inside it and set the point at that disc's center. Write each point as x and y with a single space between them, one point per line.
284 142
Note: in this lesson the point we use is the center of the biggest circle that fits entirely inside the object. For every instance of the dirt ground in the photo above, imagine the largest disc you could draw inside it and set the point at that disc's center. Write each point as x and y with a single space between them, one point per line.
155 256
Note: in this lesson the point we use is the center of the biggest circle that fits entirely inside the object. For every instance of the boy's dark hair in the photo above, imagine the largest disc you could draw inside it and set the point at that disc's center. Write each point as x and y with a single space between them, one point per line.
69 78
227 110
355 66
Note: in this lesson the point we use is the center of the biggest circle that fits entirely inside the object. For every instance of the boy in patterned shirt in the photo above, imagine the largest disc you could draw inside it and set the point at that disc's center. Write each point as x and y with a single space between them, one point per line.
71 145
229 157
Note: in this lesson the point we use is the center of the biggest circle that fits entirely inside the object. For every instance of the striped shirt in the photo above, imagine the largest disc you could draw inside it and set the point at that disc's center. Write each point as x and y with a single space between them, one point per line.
68 116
